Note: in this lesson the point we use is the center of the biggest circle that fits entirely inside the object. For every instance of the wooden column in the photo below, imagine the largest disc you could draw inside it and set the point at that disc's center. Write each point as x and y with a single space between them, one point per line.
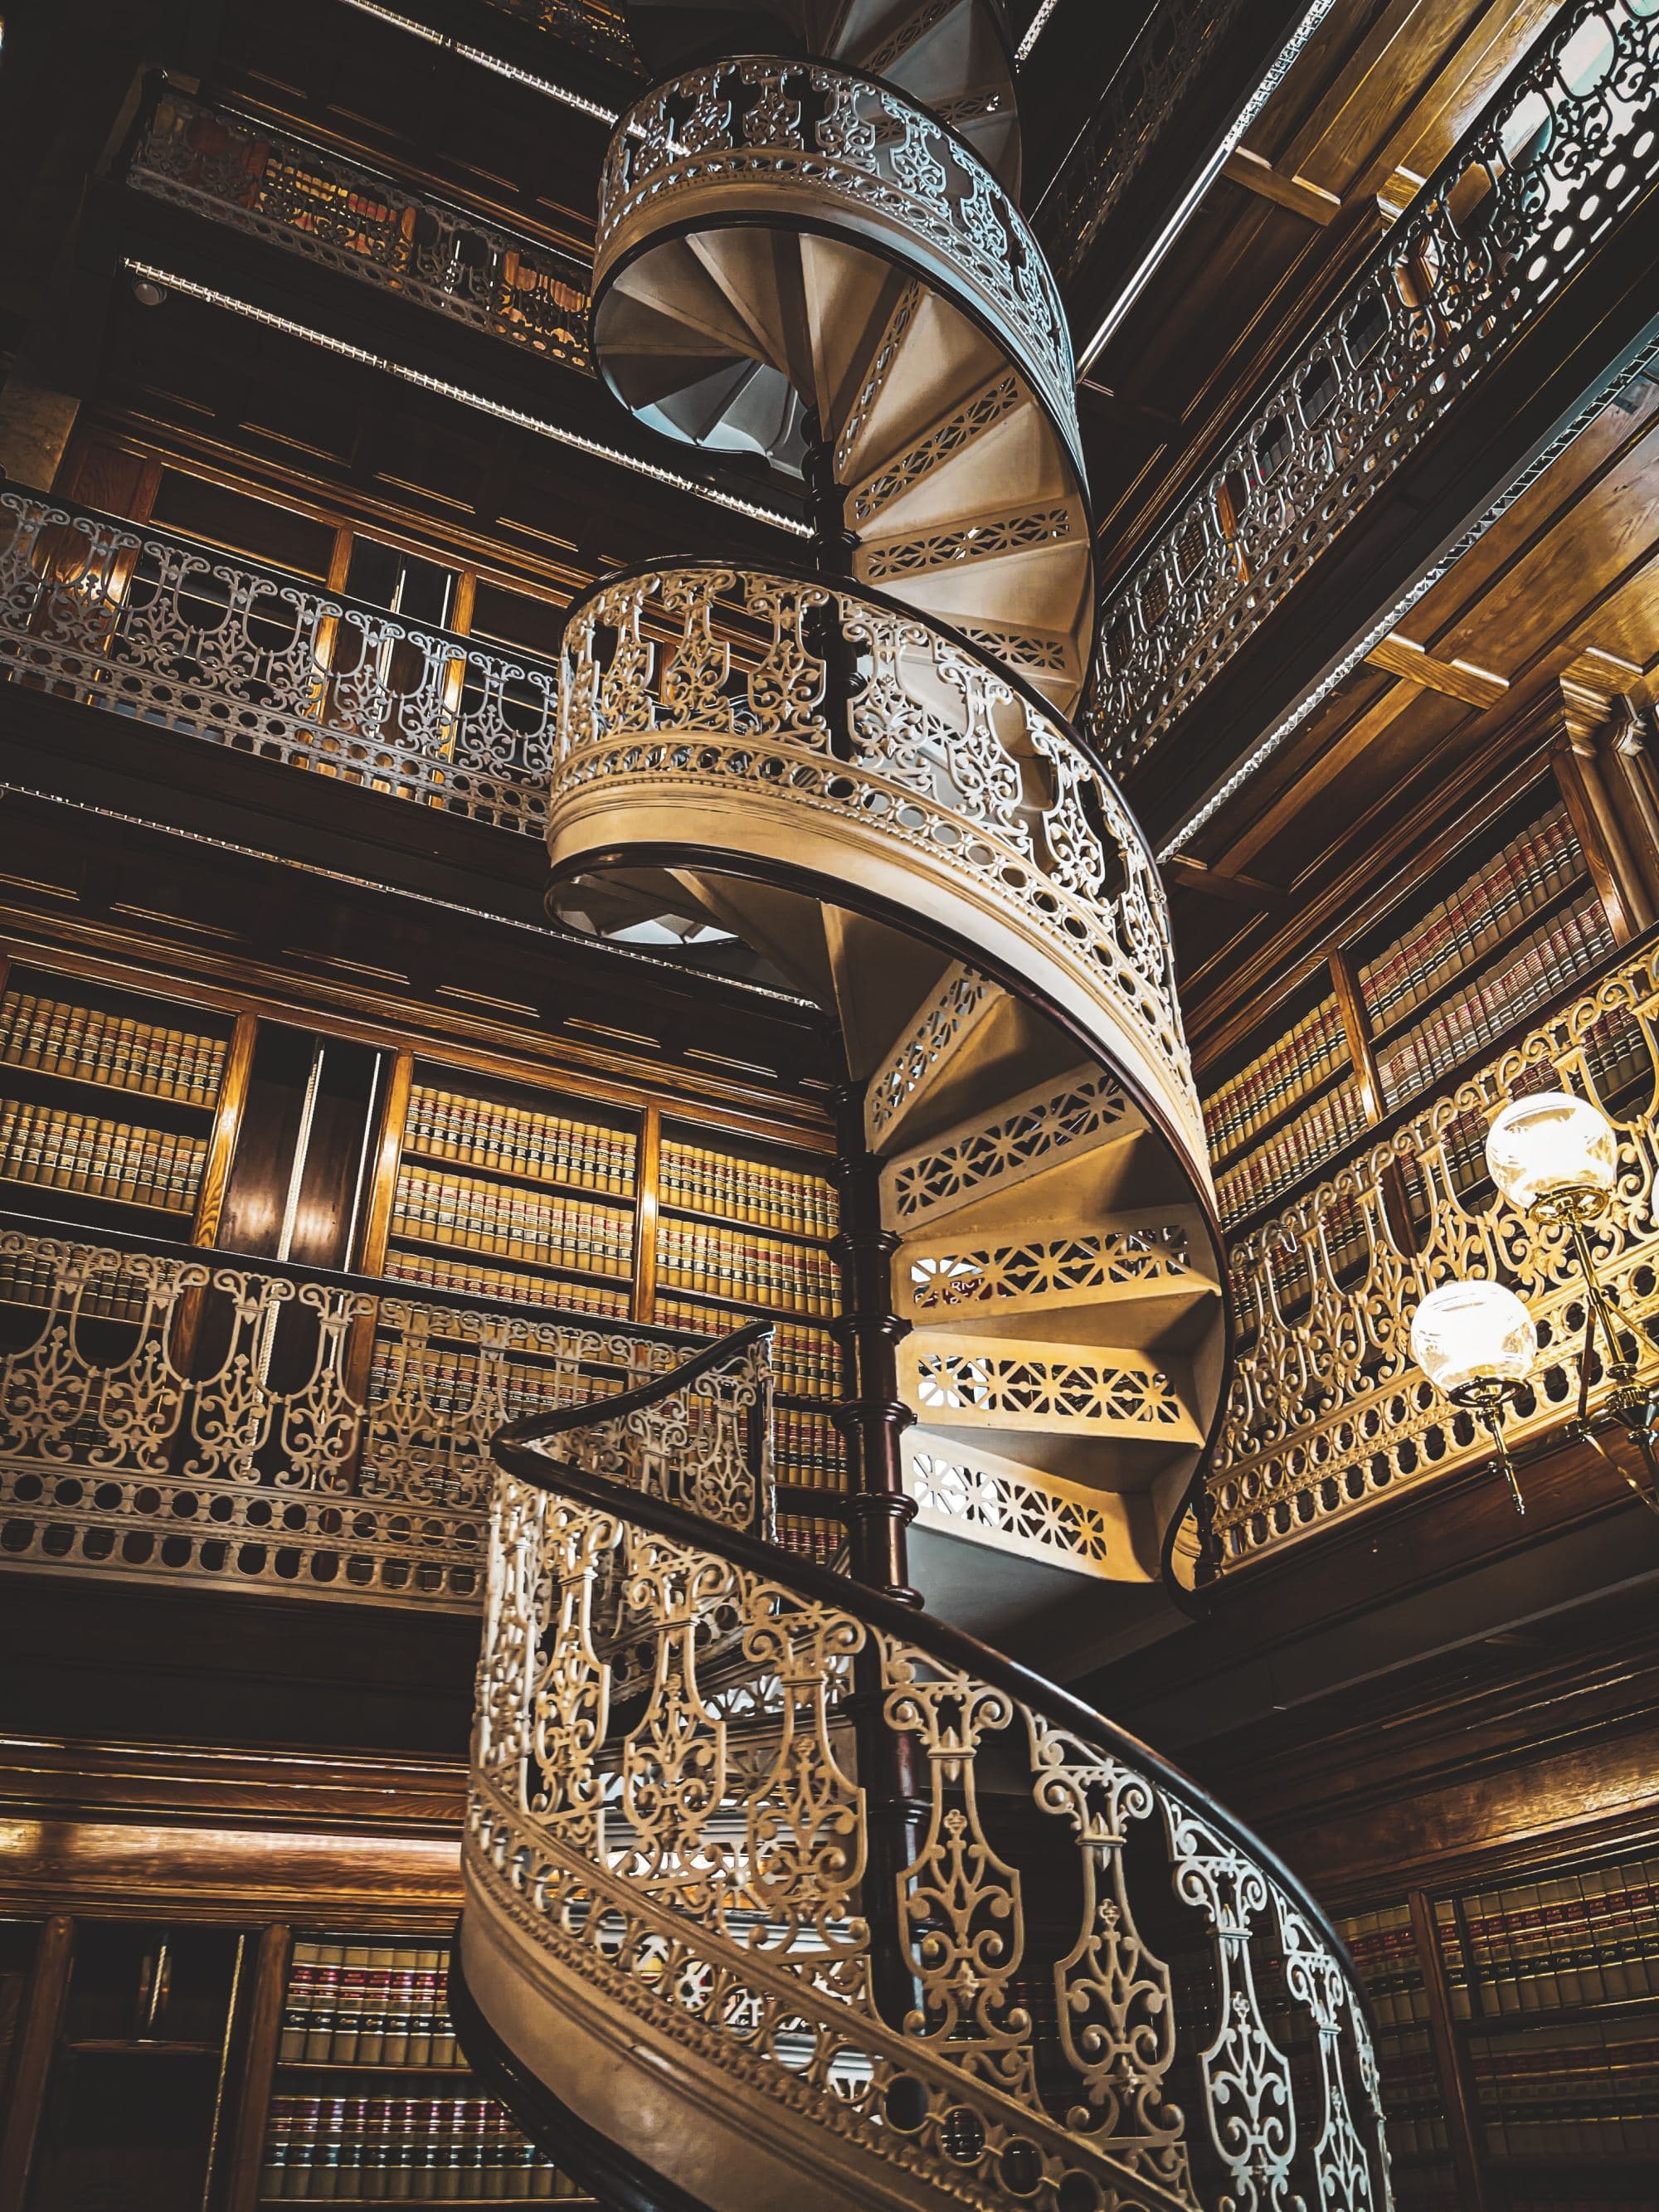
1605 776
37 2037
1351 1004
871 1417
264 2029
648 1168
227 1122
1462 2125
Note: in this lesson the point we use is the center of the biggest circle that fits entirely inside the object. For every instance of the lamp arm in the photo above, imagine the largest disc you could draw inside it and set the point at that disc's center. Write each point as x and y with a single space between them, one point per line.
1599 1309
1649 1496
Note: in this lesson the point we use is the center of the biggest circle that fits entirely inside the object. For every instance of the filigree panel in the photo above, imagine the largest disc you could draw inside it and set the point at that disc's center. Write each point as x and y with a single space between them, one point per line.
1328 1411
955 1277
845 145
344 217
1564 149
948 1015
215 1423
1068 1119
962 1984
990 1385
938 753
990 1501
190 639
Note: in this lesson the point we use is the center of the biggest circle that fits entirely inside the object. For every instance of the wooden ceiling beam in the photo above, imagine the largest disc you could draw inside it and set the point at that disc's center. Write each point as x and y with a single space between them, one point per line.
1323 769
1454 679
1257 175
1241 890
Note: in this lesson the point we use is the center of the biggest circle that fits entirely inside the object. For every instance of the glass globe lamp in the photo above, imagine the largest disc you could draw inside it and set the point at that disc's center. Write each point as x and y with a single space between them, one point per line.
1554 1153
1475 1340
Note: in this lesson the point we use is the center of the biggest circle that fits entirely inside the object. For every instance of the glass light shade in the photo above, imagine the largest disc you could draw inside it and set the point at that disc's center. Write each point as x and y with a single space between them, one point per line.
1475 1332
1551 1142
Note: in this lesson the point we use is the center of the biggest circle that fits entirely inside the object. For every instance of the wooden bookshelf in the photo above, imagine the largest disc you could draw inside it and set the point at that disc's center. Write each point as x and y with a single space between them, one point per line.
108 1099
1523 2015
471 1174
1508 919
371 2099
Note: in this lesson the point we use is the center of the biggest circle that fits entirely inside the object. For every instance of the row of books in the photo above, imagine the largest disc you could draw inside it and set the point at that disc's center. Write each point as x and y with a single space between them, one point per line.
1534 970
1620 1062
83 1042
807 1450
43 1144
695 1257
1296 1150
520 1224
1434 2188
605 1300
1587 1937
1588 2092
1486 908
811 1536
462 1384
31 1279
401 2147
745 1190
806 1362
546 1147
1384 1952
1413 2102
1314 1048
367 2004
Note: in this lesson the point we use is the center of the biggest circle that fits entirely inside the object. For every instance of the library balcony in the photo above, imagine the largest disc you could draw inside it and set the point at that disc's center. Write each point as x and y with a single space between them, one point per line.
166 1412
269 184
1405 383
190 639
1328 1413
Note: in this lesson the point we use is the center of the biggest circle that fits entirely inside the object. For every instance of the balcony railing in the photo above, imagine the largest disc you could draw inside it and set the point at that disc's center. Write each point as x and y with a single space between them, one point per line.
1328 1412
196 640
1566 149
166 1412
339 215
925 1921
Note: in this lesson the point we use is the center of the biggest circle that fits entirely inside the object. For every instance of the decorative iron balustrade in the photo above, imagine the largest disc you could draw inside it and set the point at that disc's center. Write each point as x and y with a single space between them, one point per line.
1564 149
935 749
595 26
196 640
344 217
985 1499
1329 1412
1139 105
1046 1969
243 1425
876 161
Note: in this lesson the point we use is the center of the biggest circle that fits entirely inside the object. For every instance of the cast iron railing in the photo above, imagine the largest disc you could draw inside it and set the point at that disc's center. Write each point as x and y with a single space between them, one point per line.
170 1412
1329 1412
1048 1971
1566 147
335 213
166 632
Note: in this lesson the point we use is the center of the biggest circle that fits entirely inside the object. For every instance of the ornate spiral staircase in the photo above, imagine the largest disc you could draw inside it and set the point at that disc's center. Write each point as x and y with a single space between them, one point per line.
777 1884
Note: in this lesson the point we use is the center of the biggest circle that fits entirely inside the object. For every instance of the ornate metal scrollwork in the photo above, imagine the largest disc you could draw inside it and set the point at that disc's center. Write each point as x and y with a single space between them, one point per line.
334 212
184 1417
942 753
192 640
861 148
1328 1410
708 1857
1565 149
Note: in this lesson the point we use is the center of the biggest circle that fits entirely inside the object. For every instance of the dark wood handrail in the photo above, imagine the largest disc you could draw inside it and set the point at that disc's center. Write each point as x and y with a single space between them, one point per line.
953 1647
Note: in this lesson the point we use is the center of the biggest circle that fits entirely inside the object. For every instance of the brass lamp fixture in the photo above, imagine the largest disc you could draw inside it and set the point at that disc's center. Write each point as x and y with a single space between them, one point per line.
1555 1158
